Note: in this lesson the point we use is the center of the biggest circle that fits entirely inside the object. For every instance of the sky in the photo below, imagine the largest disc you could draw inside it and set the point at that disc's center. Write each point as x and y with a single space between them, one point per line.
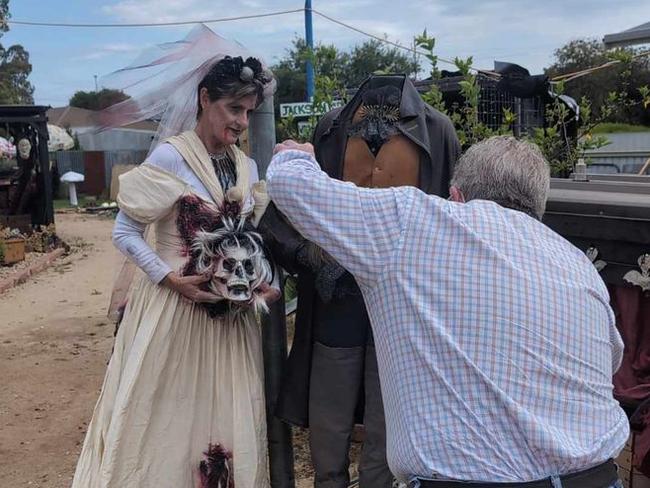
525 32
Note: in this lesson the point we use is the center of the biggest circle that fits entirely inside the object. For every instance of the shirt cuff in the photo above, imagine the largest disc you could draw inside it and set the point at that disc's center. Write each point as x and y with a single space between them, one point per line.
157 275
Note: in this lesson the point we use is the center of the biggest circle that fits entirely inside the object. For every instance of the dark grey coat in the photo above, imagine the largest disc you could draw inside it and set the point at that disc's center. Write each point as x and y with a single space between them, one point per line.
433 133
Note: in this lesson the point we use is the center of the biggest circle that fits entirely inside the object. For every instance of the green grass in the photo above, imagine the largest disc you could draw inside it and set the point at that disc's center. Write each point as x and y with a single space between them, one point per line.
83 200
61 203
613 127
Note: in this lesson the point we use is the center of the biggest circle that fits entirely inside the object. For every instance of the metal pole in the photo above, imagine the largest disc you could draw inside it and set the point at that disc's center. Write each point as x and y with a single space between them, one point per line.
280 443
46 215
415 60
518 115
309 37
274 332
261 133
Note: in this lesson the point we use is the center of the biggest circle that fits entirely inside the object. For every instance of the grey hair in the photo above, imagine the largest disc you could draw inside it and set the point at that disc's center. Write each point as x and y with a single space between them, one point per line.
508 171
210 245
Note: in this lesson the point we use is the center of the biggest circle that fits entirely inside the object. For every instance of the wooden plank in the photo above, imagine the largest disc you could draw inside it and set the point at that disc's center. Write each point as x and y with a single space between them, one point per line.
645 167
116 172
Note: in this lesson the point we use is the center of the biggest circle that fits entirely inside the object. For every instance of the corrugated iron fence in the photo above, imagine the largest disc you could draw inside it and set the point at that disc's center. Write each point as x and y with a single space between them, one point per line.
626 153
96 166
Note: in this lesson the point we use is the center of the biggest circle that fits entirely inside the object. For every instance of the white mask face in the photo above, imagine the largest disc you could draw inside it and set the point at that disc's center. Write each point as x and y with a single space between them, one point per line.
235 274
24 148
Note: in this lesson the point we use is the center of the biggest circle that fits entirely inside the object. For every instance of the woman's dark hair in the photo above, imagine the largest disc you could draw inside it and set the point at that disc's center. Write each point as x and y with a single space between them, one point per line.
236 78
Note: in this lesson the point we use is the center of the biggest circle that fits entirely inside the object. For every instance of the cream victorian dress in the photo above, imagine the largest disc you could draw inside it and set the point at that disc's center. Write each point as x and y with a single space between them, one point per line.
178 380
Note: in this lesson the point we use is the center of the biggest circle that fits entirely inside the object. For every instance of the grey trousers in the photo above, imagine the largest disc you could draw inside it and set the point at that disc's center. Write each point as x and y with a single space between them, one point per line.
336 375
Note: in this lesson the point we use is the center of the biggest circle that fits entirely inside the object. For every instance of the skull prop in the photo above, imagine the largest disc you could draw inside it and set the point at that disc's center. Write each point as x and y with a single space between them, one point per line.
24 148
235 273
234 255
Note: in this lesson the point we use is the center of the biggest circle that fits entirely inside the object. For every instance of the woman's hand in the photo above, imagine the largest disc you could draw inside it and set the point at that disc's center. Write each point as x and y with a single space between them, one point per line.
189 287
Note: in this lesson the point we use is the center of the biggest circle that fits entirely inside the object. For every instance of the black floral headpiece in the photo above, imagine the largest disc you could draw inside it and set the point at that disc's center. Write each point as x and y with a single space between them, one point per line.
248 71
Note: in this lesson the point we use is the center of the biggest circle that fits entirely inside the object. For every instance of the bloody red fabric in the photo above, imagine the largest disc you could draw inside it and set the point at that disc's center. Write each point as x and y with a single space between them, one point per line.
632 380
632 308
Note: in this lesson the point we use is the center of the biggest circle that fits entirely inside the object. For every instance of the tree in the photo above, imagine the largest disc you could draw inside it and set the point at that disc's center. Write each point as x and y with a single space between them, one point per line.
97 100
374 56
581 54
349 68
334 72
561 150
15 67
4 15
290 71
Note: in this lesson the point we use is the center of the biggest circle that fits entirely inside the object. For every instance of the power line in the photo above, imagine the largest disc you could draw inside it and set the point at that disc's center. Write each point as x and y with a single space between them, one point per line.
380 39
156 24
229 19
566 77
395 44
241 17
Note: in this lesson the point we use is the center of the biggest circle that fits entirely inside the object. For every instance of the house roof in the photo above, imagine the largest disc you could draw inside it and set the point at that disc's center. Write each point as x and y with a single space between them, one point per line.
636 35
72 117
12 113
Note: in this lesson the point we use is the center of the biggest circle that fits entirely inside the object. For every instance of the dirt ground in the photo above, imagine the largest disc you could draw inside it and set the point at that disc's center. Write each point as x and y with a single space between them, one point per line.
55 341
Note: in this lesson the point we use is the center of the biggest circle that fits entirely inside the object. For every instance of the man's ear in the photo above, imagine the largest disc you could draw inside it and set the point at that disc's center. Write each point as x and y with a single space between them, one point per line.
456 195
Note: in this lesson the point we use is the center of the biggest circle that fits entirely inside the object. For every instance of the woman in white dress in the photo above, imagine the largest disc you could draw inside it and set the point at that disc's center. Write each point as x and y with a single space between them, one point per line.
182 404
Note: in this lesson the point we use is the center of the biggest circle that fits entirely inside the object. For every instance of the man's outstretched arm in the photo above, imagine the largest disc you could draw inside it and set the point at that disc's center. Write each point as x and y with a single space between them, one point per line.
359 227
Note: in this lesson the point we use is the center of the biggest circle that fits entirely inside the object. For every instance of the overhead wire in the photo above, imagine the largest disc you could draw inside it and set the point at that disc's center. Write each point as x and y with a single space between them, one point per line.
564 77
230 19
156 24
395 44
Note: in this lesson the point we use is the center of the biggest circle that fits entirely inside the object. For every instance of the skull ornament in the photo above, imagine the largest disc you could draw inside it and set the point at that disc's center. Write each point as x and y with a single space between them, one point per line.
641 279
234 255
24 148
234 274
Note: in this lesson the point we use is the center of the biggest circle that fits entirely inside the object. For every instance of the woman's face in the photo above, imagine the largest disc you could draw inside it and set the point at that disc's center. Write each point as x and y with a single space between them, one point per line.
227 118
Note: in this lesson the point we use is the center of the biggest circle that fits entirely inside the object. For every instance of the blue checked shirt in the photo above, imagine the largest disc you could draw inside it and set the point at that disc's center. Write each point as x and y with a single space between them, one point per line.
495 340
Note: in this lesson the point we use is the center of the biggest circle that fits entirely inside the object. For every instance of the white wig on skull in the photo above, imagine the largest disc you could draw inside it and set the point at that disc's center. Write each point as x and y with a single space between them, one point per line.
213 248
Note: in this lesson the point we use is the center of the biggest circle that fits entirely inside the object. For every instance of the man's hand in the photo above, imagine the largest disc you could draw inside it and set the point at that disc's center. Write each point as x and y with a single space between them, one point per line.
290 145
189 287
268 293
